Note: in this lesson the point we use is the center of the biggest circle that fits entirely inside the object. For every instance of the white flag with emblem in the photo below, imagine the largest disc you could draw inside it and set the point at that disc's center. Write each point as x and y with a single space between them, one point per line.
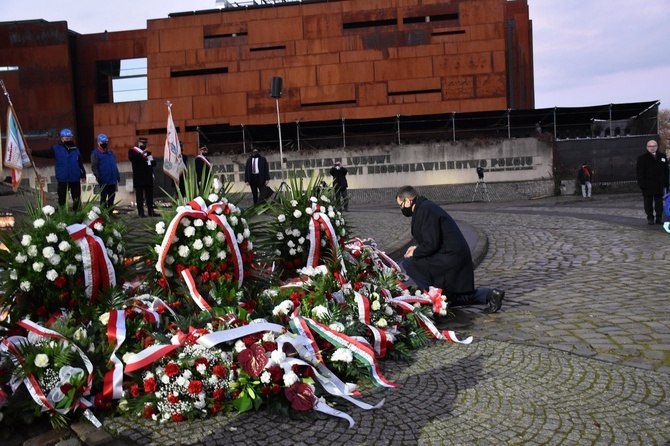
172 159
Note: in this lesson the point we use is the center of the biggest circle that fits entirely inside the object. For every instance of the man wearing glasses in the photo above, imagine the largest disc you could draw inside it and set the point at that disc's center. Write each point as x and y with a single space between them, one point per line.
652 178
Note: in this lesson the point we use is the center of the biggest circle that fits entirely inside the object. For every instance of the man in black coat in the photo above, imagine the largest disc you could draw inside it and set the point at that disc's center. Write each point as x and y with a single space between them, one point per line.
256 173
652 178
143 176
340 184
442 256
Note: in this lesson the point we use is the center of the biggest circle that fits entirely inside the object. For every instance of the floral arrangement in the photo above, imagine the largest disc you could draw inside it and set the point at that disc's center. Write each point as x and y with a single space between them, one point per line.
66 258
307 228
207 329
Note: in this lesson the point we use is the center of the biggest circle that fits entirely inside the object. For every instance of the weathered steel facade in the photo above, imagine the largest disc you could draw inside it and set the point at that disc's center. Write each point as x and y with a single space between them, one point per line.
350 59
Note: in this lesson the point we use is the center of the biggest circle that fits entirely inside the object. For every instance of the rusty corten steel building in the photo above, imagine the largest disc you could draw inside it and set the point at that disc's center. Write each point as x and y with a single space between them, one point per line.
339 60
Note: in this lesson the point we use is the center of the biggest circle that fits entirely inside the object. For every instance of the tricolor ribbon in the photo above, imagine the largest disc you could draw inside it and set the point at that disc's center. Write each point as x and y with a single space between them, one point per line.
431 297
98 269
358 244
429 326
315 222
197 208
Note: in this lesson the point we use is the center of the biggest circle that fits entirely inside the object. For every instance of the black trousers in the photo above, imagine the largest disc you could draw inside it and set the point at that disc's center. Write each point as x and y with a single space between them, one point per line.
144 194
341 195
651 203
108 195
255 184
75 192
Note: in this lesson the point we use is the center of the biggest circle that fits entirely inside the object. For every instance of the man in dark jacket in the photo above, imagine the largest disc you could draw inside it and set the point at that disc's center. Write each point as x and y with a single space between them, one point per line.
69 167
652 178
256 173
143 176
340 184
103 165
442 256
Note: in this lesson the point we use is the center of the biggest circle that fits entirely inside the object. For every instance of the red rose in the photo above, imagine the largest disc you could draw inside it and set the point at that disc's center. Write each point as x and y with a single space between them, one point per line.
135 390
172 398
171 369
251 339
150 385
195 387
301 396
178 417
276 389
100 402
270 346
60 282
276 373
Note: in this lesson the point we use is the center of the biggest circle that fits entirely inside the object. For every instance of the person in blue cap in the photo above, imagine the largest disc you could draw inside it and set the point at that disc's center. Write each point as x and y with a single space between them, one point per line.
103 164
69 167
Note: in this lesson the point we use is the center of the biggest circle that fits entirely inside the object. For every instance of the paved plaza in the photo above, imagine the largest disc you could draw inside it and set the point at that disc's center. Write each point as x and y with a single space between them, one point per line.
579 354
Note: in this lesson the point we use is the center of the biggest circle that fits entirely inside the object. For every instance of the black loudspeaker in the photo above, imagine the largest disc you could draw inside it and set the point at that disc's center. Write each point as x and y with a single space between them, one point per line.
275 87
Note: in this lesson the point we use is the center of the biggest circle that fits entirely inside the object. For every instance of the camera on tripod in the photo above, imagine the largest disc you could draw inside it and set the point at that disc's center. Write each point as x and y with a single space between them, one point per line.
480 173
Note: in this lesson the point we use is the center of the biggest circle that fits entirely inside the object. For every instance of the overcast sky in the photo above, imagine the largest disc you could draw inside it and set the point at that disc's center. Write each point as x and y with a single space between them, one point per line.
587 52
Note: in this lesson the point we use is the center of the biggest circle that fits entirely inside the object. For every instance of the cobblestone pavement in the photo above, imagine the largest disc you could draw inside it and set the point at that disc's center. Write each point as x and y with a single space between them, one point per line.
580 353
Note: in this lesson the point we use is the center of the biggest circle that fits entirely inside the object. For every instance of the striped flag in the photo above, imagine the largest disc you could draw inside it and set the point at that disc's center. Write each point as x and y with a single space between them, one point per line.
16 157
172 159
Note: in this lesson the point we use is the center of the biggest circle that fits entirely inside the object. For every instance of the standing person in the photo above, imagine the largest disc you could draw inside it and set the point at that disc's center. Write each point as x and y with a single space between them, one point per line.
340 184
202 164
442 257
584 177
70 170
256 173
143 176
652 178
103 164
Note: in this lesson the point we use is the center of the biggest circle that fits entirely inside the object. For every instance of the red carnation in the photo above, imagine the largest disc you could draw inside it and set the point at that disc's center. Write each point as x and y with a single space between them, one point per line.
276 373
150 385
253 360
195 387
148 341
214 276
148 411
172 398
289 264
219 394
226 210
194 270
301 396
162 282
270 346
217 407
180 268
42 311
178 417
220 371
227 277
171 369
223 266
358 286
135 390
210 266
205 277
201 360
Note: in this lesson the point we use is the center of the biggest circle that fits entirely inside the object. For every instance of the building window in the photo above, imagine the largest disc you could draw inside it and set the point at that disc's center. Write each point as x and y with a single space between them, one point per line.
122 80
9 68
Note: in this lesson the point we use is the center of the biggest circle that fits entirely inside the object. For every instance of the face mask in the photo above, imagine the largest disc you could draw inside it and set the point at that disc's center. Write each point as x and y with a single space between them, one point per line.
255 155
337 167
103 145
69 143
407 211
143 146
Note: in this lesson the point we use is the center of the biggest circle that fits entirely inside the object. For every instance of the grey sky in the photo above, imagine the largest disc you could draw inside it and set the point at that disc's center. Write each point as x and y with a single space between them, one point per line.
586 52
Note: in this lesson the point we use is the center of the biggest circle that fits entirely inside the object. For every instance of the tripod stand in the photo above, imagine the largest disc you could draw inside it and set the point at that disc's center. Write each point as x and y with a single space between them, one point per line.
484 190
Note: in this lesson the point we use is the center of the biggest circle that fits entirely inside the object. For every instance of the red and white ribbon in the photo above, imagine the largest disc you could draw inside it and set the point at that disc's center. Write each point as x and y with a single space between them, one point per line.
116 334
195 295
197 208
98 269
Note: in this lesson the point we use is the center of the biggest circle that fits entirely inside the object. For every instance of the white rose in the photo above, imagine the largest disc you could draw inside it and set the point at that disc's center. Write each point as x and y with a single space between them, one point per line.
104 319
388 311
239 346
343 355
213 198
80 335
375 305
127 357
337 326
309 211
41 360
381 323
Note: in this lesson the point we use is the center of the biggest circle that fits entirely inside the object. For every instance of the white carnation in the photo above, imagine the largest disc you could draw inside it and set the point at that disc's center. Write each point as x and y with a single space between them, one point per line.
309 211
64 246
21 258
38 223
70 270
211 225
213 198
160 228
204 256
183 251
37 266
52 238
48 210
208 241
297 213
26 239
343 355
281 218
25 286
198 223
189 231
290 378
197 244
55 259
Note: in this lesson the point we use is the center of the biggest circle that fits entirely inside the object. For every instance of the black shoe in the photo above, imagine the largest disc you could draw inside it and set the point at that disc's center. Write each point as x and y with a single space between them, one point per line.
494 300
142 216
650 221
659 222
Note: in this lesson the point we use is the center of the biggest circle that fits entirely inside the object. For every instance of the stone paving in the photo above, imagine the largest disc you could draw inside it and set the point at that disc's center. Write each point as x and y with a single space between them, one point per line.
580 353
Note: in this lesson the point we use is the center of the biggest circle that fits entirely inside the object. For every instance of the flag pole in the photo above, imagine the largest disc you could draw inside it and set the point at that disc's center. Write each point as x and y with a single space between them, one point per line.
38 178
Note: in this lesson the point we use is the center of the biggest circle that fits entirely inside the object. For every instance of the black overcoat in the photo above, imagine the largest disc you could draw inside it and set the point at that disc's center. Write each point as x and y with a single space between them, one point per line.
442 256
652 173
143 169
